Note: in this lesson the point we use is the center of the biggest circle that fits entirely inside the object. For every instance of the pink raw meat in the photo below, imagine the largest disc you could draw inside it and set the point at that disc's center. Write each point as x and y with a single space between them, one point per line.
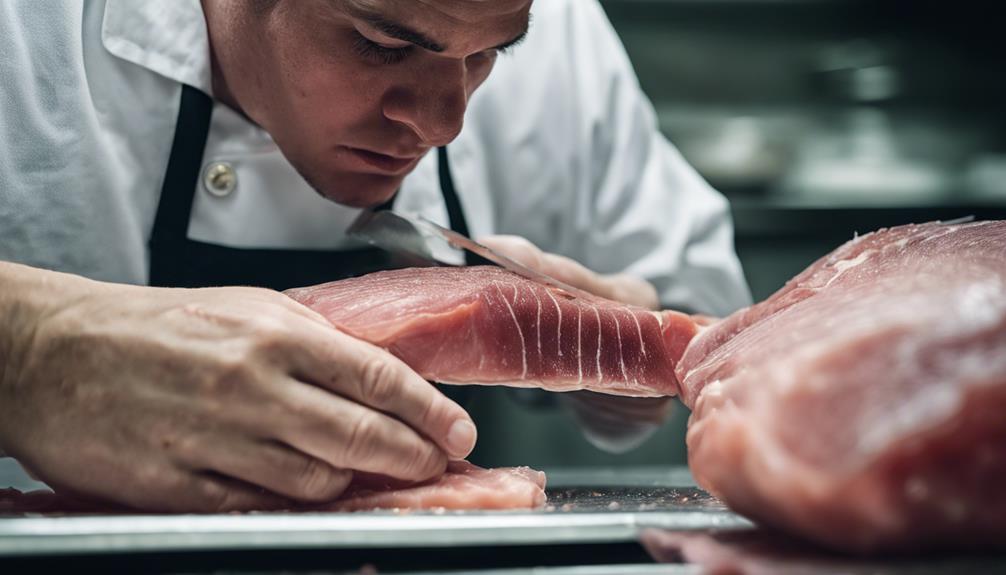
762 552
484 325
747 552
463 487
864 404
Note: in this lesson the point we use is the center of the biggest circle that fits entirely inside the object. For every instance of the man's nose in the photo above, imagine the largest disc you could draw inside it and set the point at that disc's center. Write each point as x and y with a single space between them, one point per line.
434 106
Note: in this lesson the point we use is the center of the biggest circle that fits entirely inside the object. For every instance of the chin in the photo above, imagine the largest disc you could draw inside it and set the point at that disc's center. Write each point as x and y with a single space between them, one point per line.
358 190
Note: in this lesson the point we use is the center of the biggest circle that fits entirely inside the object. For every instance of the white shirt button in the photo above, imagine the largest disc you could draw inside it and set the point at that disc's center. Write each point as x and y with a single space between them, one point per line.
220 179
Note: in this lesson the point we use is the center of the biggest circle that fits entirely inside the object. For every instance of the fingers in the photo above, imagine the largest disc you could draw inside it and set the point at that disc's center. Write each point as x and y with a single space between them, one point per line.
178 490
276 467
373 377
619 287
348 435
559 267
623 288
516 248
633 290
209 493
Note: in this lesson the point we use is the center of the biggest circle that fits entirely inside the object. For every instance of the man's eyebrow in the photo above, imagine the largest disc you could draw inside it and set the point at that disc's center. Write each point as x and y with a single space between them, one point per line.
516 39
393 29
401 32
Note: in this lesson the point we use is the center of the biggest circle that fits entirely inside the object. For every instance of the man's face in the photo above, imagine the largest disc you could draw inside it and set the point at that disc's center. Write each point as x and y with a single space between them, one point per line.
355 92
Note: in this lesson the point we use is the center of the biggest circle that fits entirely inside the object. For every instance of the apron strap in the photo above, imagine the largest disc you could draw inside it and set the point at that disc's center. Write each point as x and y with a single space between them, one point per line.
184 166
454 211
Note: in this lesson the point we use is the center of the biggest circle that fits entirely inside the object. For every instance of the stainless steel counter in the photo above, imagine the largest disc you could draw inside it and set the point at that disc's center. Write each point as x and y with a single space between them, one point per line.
589 527
585 506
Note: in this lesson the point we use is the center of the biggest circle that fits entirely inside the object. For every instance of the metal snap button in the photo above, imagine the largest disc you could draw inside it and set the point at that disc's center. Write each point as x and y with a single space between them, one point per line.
220 179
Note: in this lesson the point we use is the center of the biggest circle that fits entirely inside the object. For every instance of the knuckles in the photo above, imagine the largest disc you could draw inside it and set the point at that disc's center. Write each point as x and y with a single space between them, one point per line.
379 384
318 482
229 377
424 463
250 361
211 497
363 439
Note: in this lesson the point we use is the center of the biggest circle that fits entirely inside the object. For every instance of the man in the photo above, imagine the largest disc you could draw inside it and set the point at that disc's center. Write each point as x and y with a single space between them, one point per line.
147 146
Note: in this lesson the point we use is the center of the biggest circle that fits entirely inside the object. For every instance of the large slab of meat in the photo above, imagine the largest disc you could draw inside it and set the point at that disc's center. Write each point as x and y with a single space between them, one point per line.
484 325
751 552
462 487
763 552
864 405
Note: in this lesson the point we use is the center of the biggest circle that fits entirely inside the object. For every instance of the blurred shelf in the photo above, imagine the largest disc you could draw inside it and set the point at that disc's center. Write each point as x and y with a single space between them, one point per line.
807 217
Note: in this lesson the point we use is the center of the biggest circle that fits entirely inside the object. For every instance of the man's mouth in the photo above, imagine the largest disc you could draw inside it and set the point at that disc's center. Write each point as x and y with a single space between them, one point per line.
385 163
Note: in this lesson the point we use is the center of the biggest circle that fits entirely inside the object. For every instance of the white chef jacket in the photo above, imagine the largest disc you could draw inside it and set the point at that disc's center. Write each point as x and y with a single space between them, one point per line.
559 146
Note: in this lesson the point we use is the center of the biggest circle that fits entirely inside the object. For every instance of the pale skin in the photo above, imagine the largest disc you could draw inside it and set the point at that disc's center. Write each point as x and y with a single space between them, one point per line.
240 398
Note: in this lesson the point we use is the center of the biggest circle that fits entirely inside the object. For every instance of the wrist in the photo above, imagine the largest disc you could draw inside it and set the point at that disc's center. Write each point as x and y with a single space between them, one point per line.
27 295
13 297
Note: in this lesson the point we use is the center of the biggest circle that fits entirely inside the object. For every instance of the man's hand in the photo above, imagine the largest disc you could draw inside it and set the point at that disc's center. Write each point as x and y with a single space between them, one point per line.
618 287
207 399
611 422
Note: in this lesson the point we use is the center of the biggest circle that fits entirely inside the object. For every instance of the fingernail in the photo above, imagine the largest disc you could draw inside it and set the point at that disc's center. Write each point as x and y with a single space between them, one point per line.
461 438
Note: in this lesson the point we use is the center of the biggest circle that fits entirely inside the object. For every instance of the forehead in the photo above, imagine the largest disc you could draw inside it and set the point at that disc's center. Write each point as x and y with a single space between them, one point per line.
450 17
471 11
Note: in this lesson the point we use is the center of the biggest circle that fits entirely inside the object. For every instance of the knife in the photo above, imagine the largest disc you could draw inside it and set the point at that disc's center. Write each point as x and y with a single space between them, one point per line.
416 236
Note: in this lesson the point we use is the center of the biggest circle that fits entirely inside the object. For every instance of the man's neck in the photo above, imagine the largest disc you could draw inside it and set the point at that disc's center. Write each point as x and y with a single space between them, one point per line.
221 90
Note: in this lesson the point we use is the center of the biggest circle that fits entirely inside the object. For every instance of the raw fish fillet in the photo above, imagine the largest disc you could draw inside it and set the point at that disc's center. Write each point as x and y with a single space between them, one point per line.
864 404
485 325
463 487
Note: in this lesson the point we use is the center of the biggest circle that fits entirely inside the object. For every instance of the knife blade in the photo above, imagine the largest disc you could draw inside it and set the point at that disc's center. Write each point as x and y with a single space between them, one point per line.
415 235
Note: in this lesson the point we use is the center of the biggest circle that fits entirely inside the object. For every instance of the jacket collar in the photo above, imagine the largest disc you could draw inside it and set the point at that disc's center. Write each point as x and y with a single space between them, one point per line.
168 37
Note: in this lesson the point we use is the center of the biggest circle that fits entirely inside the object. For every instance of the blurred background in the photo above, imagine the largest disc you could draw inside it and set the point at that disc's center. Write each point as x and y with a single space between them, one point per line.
817 119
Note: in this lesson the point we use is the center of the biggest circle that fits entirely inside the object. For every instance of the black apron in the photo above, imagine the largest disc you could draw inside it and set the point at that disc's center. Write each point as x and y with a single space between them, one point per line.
176 261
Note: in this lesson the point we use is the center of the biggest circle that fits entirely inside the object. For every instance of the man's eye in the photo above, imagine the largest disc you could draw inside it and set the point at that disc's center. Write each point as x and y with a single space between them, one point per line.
370 50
